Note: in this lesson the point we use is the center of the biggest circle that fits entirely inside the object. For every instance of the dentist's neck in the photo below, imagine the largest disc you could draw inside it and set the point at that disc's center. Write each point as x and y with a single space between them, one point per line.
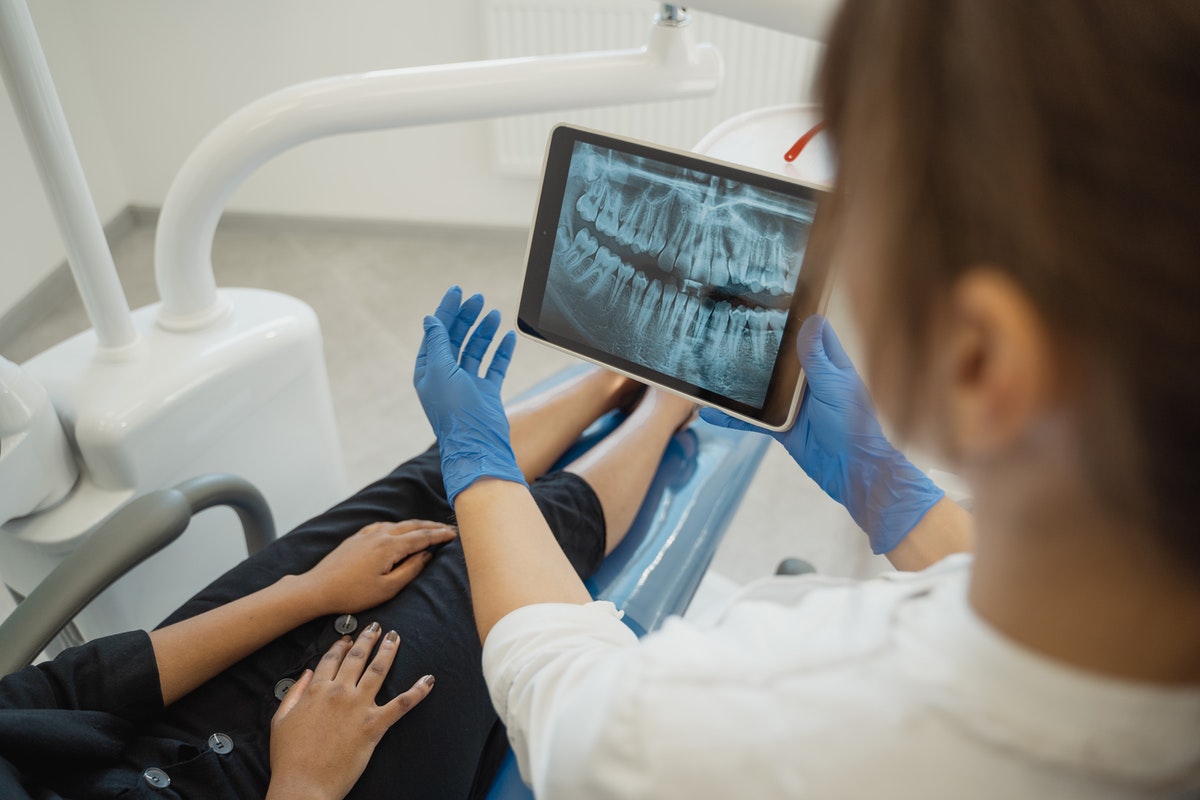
1058 574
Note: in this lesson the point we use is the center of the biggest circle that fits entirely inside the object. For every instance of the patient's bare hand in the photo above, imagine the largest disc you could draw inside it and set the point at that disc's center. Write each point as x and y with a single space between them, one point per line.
374 564
328 724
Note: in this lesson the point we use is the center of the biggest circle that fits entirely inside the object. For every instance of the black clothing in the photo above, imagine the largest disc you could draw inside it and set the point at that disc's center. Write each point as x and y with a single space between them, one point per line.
91 723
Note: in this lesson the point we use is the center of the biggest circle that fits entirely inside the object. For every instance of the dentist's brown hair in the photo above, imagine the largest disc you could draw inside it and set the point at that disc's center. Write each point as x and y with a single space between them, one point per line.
1058 141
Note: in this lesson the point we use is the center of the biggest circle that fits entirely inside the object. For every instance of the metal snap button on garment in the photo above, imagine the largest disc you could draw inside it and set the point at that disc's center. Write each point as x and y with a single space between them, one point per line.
282 686
220 743
156 778
346 623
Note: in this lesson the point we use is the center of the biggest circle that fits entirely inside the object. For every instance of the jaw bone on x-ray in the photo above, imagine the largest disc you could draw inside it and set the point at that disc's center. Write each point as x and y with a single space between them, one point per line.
684 272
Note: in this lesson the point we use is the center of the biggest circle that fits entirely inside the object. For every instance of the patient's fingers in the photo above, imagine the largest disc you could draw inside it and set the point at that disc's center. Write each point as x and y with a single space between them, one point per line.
413 534
372 679
414 541
417 533
327 667
404 702
404 526
404 572
356 658
293 695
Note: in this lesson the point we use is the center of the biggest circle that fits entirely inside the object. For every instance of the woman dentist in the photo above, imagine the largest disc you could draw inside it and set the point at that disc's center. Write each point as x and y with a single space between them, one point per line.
1017 227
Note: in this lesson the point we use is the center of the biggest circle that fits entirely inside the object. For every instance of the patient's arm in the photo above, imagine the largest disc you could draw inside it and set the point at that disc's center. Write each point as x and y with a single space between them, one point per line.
365 570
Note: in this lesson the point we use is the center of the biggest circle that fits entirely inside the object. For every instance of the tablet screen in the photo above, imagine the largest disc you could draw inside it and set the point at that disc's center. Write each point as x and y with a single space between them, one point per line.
677 270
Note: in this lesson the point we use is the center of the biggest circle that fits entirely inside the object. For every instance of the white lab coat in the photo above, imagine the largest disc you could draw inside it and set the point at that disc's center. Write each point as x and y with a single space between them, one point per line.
812 687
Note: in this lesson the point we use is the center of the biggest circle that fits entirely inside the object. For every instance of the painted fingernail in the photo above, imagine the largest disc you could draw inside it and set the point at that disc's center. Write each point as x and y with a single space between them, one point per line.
372 628
427 680
392 637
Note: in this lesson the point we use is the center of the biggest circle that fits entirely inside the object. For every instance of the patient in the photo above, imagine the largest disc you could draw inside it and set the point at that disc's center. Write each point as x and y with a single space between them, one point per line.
283 676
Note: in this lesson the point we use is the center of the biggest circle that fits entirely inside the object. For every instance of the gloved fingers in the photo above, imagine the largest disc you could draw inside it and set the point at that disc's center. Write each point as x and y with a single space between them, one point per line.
833 347
810 346
500 361
824 359
449 305
463 320
479 342
722 420
436 347
422 359
806 401
458 316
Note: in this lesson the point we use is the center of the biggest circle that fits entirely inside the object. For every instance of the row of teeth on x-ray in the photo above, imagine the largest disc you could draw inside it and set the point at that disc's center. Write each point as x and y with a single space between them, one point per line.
679 229
685 322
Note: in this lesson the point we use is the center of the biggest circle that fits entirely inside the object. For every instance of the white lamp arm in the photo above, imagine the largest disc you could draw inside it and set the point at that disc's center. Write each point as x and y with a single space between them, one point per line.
670 66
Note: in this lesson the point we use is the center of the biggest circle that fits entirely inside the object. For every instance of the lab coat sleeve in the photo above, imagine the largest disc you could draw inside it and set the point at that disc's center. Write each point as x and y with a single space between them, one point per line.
562 678
116 674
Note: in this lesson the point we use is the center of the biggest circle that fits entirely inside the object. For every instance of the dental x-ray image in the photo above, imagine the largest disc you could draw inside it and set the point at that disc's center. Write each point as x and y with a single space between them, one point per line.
684 272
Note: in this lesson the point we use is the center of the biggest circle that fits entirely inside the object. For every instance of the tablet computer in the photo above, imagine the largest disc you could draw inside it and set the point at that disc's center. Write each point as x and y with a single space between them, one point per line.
681 271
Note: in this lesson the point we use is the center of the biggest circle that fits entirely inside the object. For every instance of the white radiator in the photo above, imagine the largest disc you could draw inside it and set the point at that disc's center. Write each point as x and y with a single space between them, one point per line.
762 68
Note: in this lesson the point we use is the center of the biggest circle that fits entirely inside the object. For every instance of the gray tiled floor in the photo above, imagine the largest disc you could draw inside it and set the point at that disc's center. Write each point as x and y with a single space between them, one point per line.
371 287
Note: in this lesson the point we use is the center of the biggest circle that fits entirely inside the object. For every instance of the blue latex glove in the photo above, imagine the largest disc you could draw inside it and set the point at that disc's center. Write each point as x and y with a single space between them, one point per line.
463 408
837 440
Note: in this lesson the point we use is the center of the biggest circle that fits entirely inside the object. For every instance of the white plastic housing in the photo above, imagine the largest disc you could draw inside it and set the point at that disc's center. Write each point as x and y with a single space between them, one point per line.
37 468
247 395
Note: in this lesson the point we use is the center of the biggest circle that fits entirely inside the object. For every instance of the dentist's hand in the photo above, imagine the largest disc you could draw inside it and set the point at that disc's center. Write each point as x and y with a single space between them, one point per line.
463 408
837 440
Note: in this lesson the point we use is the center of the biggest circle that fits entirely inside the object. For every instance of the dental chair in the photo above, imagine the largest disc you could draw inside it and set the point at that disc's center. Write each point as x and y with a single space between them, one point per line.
651 575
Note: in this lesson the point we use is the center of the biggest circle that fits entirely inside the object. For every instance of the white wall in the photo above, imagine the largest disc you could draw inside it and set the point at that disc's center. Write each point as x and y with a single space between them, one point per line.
30 246
170 72
143 81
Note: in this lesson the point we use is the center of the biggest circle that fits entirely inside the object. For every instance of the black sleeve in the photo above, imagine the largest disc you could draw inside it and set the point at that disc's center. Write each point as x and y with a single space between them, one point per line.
117 675
13 785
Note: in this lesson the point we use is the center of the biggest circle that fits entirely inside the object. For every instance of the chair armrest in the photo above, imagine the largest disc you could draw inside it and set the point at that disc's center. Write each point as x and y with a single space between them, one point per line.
220 489
126 538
